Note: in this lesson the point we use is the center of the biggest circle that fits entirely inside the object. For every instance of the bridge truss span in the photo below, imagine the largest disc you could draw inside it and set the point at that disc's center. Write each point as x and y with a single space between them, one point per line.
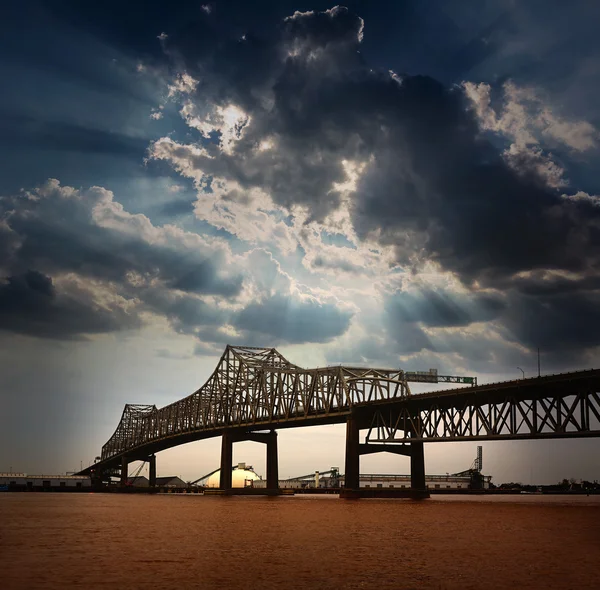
549 407
257 389
253 387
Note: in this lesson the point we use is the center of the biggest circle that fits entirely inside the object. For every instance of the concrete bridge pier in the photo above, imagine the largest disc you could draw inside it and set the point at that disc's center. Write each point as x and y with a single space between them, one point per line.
225 482
124 470
417 470
267 438
352 463
272 462
417 460
354 449
152 469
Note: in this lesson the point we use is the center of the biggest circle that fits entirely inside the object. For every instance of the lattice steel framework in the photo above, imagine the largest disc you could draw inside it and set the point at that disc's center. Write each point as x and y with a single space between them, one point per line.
253 387
558 406
132 422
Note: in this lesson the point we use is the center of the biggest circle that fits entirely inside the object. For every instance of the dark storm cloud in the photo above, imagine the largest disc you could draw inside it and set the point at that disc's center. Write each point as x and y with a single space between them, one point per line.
295 321
186 313
287 99
113 266
442 188
58 232
201 278
433 184
559 322
63 231
433 187
323 29
425 327
542 283
443 309
30 304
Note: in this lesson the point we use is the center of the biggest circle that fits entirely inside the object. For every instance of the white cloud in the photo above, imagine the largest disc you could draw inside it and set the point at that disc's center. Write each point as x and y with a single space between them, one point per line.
251 215
395 77
337 201
228 121
188 160
116 268
245 214
361 30
525 118
528 122
524 159
299 15
585 197
578 135
183 84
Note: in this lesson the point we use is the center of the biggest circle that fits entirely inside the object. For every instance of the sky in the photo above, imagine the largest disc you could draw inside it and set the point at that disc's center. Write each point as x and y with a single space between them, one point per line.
397 184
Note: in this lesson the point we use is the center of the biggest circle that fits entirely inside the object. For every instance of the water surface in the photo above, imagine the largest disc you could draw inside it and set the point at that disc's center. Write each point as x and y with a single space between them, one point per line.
190 541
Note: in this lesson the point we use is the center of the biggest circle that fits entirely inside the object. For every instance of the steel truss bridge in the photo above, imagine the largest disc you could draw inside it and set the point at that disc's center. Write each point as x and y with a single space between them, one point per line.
254 390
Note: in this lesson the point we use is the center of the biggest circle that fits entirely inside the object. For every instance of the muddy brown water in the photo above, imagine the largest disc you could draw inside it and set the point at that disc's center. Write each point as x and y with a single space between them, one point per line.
189 541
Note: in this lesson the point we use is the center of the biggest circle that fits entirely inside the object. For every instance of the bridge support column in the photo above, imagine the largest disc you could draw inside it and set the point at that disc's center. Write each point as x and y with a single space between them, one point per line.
226 462
417 467
124 469
352 475
272 462
152 469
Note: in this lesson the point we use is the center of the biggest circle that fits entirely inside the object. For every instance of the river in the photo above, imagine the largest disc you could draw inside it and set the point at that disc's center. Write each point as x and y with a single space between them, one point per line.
189 541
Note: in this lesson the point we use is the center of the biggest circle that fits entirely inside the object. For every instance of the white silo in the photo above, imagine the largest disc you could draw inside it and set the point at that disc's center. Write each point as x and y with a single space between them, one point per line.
241 477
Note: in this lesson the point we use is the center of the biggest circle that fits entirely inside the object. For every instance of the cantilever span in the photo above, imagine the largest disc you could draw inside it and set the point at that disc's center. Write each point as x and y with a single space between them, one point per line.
257 389
253 387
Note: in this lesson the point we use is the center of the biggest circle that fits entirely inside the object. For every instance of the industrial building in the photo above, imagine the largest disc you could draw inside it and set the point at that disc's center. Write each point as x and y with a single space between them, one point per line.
23 481
470 479
432 482
138 481
170 481
332 479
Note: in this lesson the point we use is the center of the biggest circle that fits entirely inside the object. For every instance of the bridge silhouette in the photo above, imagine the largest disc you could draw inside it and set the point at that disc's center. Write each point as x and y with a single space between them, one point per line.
253 390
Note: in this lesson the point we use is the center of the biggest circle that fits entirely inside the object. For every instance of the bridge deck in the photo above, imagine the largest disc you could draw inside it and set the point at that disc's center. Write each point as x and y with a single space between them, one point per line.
253 389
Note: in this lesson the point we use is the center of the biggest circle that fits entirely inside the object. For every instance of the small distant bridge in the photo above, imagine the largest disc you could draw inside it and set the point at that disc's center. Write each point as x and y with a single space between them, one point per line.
254 390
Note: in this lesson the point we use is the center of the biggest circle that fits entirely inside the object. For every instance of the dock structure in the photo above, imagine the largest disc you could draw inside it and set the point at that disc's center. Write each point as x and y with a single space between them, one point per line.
46 483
